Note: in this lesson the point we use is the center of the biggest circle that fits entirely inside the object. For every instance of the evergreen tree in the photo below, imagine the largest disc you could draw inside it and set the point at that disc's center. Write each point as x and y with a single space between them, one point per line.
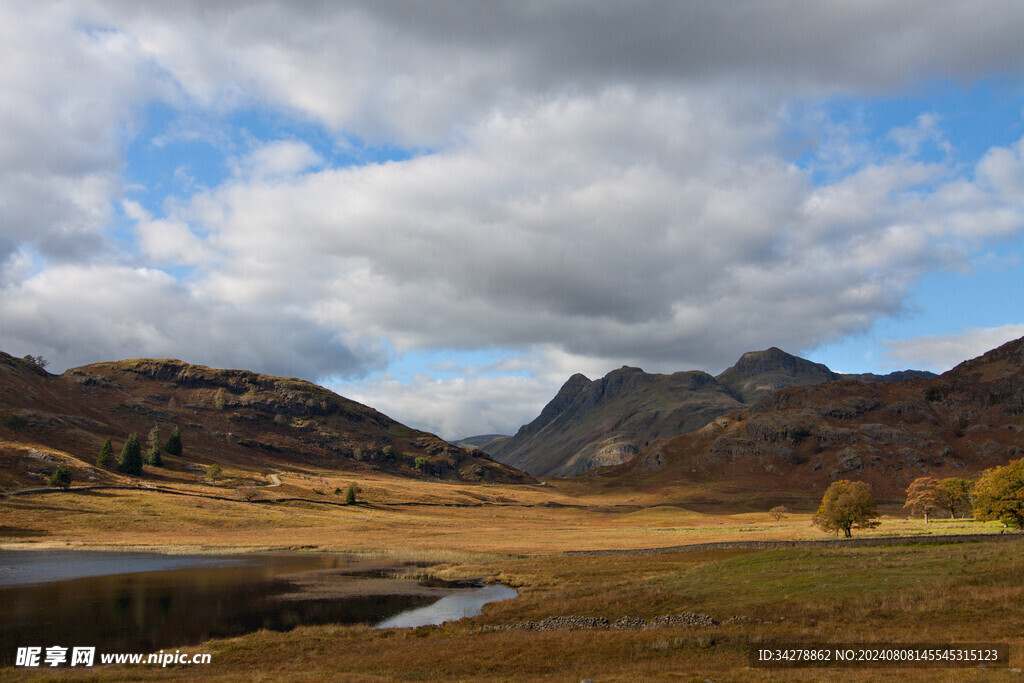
350 494
106 456
61 477
173 446
130 460
153 448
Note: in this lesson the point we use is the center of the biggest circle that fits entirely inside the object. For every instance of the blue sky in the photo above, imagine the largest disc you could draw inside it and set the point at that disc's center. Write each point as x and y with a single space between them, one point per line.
446 211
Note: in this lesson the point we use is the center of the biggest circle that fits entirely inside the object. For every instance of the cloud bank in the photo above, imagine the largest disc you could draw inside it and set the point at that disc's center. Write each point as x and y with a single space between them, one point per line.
607 185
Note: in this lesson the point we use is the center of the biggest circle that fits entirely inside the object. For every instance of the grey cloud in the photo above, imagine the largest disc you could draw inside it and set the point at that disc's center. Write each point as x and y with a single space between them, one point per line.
418 72
73 315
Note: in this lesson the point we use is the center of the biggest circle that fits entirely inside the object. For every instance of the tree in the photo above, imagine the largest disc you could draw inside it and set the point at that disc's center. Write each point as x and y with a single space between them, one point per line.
420 462
999 494
130 460
846 505
106 455
350 494
953 494
173 446
61 477
213 471
921 497
39 361
153 448
778 512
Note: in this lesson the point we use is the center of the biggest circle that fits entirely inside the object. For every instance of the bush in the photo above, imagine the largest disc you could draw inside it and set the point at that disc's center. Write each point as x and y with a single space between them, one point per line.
213 472
16 421
420 462
350 494
247 493
61 477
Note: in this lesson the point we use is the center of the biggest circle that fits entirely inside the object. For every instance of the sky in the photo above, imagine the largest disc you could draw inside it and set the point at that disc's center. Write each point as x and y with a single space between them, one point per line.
444 210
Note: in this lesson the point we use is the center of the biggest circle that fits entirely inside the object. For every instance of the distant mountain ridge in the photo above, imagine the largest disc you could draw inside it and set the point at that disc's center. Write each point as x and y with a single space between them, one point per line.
224 416
596 423
802 438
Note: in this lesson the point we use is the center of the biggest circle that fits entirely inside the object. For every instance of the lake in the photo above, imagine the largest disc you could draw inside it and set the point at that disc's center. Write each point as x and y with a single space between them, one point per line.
145 602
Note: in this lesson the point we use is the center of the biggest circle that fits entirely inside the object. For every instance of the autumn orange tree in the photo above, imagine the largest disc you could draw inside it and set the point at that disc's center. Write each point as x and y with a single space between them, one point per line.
847 505
999 494
922 497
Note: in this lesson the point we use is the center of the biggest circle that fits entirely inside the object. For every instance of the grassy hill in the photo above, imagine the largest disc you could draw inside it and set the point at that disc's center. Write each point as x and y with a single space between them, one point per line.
229 417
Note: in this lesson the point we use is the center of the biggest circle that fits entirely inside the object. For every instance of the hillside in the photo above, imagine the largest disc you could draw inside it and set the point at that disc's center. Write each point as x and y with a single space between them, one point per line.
886 433
225 416
591 424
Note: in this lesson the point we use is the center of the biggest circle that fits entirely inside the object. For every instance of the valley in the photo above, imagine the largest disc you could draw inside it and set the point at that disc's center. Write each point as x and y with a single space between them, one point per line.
670 565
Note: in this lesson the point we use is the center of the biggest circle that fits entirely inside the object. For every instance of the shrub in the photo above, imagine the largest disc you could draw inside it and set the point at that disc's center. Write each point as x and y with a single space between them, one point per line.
350 494
247 493
420 462
213 472
16 421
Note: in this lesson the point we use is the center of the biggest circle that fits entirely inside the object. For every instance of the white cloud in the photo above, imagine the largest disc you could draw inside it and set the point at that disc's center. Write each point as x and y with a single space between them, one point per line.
940 352
592 187
277 159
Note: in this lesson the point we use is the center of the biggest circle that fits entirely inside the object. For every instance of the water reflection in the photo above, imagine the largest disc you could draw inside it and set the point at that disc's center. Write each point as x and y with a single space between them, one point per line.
202 598
450 608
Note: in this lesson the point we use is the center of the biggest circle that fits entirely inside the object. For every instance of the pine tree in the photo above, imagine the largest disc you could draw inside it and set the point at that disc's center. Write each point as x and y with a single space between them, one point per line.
153 448
130 460
106 456
61 477
350 494
173 446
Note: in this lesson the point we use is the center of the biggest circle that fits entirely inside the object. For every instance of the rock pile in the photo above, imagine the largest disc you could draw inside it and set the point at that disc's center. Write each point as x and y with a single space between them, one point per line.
621 624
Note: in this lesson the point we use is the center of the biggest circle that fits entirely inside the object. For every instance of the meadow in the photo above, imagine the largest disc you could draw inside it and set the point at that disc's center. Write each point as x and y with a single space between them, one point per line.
932 591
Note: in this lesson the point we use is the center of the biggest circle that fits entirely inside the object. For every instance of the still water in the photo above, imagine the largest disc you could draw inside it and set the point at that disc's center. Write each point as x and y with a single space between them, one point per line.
450 608
141 602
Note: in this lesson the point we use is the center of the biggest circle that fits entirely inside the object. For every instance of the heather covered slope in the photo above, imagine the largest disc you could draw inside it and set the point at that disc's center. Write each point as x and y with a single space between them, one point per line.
592 424
225 416
886 433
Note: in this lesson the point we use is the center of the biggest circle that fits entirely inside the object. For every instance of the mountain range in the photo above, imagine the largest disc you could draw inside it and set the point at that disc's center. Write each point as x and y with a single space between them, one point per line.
802 438
597 423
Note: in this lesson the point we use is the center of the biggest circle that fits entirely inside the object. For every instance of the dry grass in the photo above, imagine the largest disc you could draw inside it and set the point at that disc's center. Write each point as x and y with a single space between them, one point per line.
931 592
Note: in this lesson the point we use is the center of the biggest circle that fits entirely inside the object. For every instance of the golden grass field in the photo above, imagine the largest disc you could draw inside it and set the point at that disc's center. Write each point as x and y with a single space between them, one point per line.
929 592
